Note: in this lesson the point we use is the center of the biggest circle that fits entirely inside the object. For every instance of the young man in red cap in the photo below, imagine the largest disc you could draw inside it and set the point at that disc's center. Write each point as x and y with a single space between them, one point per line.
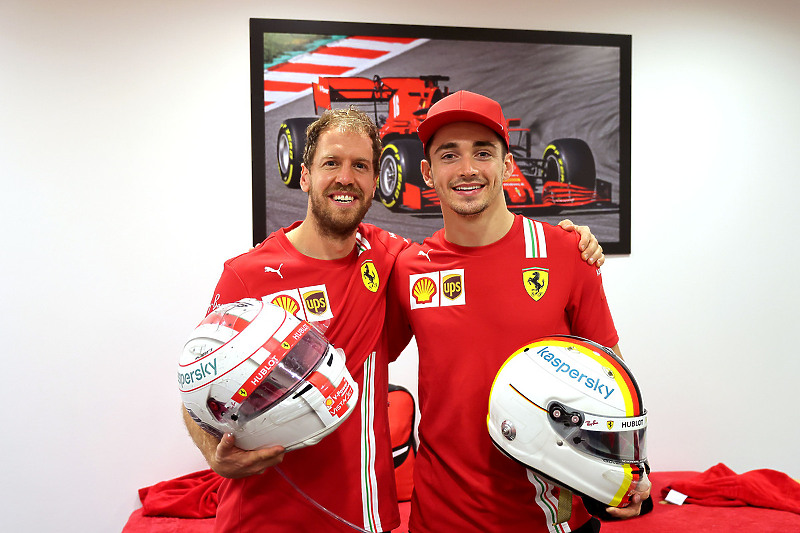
349 473
469 283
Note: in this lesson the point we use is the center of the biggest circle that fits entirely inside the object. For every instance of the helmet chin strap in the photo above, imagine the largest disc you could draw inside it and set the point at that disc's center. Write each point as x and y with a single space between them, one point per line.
564 505
334 515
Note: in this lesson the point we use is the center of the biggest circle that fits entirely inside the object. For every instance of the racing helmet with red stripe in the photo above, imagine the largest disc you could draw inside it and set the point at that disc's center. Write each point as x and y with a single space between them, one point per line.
255 370
569 409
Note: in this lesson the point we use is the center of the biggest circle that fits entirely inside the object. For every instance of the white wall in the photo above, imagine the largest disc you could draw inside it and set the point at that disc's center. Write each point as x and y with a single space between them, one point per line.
125 173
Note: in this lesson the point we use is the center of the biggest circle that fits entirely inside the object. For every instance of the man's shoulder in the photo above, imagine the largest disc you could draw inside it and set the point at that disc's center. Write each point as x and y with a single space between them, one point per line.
555 237
370 235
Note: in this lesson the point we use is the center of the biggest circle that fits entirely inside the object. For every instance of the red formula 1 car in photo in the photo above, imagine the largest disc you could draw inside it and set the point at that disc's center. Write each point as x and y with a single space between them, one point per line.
564 177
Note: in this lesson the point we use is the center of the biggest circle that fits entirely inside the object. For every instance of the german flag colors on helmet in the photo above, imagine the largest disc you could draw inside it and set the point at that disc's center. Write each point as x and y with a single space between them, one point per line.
571 410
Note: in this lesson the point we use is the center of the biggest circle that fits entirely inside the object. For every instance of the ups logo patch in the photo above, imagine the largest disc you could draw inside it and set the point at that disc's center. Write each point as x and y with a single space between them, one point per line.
316 303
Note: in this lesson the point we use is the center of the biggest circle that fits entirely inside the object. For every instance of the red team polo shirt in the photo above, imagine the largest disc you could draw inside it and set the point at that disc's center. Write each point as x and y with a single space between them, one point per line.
470 309
350 472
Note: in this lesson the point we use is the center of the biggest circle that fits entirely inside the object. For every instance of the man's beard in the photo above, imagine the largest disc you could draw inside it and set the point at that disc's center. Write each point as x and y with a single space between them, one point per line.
338 224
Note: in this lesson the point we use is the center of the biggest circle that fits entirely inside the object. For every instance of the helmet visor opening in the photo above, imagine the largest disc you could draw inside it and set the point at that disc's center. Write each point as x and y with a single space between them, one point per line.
285 376
615 439
618 446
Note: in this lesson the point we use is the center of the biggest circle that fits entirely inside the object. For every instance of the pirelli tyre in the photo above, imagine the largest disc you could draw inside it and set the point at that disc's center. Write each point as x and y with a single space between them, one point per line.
570 161
290 146
399 165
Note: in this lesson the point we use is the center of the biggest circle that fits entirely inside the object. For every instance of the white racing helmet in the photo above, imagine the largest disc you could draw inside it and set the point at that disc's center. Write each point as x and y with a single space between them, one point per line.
257 371
570 410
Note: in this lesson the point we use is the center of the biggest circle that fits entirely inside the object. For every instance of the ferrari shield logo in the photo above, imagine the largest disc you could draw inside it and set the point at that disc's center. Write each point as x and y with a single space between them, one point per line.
369 275
610 424
535 280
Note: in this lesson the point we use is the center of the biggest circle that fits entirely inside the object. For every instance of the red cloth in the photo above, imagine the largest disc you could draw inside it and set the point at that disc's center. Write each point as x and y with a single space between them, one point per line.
721 486
190 496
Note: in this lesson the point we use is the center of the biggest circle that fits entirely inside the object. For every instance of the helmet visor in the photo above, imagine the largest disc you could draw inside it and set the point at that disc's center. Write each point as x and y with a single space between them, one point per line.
615 439
279 375
617 446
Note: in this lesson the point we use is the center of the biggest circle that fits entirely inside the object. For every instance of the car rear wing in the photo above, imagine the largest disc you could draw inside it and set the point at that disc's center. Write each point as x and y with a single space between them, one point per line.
355 90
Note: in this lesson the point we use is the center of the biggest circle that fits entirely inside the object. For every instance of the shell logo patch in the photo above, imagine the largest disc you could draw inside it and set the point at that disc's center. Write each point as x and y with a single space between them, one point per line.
369 275
287 303
437 289
535 281
423 290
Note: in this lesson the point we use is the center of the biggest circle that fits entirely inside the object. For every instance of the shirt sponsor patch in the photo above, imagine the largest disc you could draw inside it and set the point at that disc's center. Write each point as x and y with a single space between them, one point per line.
306 303
437 289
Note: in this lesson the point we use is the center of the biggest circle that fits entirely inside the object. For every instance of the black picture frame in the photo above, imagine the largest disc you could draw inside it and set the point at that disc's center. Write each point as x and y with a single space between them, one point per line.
559 84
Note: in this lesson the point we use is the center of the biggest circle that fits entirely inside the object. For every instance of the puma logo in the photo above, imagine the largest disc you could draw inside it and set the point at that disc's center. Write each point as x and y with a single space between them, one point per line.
278 271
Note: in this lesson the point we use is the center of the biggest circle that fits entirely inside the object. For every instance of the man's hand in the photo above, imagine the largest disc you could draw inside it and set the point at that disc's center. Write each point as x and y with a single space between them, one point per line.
225 458
639 494
232 462
591 251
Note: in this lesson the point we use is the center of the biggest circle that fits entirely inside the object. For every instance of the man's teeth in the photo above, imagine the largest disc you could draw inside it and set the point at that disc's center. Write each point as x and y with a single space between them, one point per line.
343 198
468 187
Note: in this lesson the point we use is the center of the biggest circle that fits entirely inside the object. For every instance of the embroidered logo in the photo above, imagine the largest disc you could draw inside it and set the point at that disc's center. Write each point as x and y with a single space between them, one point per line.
535 281
275 270
316 302
437 289
306 303
610 424
452 286
287 303
369 275
423 290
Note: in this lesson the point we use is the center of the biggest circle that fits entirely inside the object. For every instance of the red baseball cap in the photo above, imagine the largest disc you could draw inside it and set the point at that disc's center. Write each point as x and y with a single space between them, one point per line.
464 106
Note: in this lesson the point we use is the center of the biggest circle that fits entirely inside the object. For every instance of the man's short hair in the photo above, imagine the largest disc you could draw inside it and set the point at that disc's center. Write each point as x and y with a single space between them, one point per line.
350 120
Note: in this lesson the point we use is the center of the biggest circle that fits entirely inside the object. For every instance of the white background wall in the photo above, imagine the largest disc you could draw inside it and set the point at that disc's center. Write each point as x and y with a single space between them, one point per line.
125 174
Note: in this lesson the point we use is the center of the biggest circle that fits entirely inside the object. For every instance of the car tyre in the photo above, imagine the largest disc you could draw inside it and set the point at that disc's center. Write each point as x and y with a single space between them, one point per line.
399 162
290 146
570 161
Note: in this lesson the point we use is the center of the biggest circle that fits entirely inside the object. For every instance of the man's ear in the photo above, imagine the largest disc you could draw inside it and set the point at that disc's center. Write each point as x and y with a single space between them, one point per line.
425 169
508 166
304 177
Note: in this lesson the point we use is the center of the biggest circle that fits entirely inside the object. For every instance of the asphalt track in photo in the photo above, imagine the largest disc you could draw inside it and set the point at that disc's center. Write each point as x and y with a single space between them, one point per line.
555 90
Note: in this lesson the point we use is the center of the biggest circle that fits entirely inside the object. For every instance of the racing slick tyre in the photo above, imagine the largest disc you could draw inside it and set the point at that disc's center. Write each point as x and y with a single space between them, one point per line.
399 164
291 143
570 161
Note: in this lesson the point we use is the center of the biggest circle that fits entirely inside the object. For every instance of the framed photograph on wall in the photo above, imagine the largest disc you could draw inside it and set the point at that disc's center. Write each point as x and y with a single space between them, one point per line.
566 96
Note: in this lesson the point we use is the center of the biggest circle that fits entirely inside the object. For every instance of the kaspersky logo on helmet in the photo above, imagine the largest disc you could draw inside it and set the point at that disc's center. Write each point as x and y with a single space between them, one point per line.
572 373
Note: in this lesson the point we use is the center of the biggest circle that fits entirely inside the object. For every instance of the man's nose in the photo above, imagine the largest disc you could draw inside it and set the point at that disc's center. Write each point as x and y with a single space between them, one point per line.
346 175
466 167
